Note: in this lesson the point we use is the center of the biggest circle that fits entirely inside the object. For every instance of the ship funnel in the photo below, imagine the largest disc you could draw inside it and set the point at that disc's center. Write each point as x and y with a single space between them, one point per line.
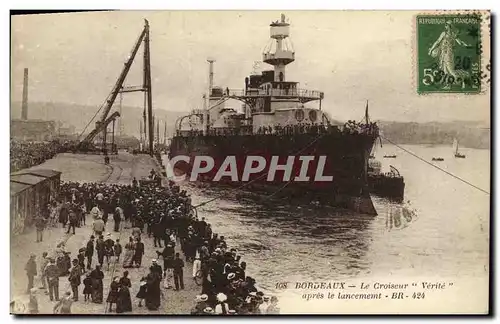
210 75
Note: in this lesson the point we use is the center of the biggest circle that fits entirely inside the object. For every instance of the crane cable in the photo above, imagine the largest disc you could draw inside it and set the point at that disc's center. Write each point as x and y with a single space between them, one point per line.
437 167
98 110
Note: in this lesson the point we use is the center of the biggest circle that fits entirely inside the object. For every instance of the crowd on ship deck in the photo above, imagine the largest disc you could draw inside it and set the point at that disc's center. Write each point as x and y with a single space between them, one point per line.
27 154
160 217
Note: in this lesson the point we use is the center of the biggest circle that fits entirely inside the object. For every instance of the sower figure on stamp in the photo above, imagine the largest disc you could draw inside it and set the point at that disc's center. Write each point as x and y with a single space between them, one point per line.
443 49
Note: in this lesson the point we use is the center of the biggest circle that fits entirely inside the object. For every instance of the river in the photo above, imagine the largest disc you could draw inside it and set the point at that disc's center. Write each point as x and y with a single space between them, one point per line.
448 238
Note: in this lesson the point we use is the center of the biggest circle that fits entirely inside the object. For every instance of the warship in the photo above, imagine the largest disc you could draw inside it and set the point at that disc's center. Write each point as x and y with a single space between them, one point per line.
281 123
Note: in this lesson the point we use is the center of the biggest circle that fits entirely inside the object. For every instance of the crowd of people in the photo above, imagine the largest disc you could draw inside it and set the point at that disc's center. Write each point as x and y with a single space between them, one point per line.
162 217
354 127
27 154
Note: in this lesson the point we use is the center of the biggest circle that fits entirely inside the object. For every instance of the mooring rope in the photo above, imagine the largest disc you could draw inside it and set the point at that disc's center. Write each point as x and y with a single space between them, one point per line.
435 166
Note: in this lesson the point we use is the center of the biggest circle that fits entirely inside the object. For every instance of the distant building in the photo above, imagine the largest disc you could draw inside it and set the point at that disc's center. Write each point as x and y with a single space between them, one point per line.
32 130
67 131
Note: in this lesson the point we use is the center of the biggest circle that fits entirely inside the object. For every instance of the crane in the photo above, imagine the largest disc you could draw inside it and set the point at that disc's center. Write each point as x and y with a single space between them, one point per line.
104 120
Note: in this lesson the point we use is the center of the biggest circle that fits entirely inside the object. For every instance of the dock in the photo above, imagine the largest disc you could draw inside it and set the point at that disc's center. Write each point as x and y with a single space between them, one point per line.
91 168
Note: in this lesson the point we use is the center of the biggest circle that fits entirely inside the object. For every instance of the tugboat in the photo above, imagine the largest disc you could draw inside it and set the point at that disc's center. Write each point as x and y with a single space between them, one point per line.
388 185
275 124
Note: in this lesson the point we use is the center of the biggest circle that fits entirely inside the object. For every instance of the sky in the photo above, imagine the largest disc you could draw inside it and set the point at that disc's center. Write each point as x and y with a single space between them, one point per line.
350 56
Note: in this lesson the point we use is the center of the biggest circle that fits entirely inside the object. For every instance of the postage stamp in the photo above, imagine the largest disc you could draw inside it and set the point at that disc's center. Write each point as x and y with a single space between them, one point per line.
449 53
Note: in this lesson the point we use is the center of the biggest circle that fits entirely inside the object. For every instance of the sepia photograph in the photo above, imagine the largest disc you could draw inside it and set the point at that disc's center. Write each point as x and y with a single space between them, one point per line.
250 162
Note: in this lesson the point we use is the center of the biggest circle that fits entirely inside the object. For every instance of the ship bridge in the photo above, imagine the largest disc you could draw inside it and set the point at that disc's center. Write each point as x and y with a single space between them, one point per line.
292 94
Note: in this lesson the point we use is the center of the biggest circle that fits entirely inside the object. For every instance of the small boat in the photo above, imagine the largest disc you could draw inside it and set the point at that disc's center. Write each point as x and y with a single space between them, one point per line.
437 159
388 185
455 149
390 156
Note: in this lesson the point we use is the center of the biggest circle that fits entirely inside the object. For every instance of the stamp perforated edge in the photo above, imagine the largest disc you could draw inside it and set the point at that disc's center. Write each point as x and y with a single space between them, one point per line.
484 58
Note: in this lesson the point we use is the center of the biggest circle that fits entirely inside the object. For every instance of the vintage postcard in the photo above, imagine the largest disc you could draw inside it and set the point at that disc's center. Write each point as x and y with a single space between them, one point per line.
250 162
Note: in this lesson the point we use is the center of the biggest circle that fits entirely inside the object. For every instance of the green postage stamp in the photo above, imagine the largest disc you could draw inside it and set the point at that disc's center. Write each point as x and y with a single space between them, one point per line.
449 53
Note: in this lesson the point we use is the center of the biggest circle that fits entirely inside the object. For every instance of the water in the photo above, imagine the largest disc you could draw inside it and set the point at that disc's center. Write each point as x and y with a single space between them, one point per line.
448 237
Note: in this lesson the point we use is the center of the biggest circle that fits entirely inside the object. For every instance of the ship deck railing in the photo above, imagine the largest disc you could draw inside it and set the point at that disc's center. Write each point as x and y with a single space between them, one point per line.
302 94
280 130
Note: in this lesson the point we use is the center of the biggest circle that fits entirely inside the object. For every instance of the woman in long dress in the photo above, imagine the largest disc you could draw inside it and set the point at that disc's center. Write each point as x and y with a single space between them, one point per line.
129 253
124 303
143 289
443 50
113 294
97 286
153 294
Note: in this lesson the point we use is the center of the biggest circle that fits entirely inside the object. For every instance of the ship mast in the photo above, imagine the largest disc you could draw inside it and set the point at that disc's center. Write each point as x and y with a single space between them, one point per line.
207 97
284 53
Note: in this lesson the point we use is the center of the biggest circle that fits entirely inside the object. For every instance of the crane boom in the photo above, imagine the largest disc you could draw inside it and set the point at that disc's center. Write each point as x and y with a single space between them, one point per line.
114 93
102 125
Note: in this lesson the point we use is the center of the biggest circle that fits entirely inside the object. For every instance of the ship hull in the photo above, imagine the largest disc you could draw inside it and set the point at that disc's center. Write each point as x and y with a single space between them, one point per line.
345 157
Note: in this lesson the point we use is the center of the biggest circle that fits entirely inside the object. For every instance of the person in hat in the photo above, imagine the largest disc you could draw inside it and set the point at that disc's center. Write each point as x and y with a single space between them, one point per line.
208 311
97 285
117 250
73 221
113 293
87 287
95 212
273 308
31 271
129 253
45 262
81 259
142 291
40 224
153 295
124 303
89 252
108 248
264 305
178 269
168 254
222 308
98 226
100 248
118 216
201 304
52 275
75 279
64 305
196 264
33 302
139 252
156 268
